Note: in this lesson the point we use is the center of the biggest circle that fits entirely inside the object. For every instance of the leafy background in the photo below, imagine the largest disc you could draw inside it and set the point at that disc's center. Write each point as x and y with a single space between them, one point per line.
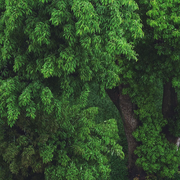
106 108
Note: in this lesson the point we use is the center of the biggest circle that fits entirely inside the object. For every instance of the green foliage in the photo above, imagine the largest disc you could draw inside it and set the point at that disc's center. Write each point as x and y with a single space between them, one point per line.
72 146
146 90
4 172
158 62
107 110
174 126
50 50
156 155
55 39
164 18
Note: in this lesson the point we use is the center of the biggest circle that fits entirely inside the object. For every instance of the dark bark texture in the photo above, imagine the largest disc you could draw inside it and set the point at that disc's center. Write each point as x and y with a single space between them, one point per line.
126 109
129 121
169 104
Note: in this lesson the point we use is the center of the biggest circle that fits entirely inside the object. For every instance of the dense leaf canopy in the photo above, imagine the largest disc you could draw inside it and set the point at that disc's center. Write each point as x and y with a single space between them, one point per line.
53 50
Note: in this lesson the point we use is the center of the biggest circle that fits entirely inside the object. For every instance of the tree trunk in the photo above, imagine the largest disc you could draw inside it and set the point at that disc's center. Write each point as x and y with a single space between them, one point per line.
168 107
169 104
126 109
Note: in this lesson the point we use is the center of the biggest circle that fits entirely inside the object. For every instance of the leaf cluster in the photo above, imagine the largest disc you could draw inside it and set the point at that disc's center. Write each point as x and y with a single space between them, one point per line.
67 144
157 156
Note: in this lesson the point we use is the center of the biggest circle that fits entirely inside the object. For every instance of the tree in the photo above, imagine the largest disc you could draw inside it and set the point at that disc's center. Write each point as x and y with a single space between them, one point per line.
156 155
50 52
160 22
53 50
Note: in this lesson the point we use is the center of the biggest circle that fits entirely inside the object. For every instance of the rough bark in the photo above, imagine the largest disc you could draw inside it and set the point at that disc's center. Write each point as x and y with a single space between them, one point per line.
130 123
168 107
126 108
